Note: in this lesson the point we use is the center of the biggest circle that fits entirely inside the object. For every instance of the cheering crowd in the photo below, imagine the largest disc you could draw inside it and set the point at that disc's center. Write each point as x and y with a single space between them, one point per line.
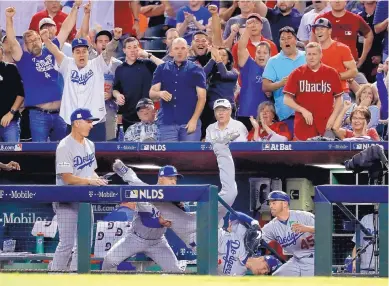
269 70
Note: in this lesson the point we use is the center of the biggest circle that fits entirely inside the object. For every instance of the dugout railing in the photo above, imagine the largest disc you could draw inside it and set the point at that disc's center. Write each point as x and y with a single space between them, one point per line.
205 196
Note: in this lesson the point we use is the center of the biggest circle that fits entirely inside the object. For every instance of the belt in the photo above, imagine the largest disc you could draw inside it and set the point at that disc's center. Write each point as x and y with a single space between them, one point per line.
48 111
142 237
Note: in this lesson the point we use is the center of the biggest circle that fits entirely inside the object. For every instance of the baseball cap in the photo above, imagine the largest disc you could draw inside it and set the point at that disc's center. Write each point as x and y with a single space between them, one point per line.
103 32
322 22
169 171
82 114
80 42
272 262
255 15
222 102
45 21
144 102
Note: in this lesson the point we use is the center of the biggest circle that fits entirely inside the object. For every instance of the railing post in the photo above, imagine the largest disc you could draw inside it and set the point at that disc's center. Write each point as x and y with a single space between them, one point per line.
84 235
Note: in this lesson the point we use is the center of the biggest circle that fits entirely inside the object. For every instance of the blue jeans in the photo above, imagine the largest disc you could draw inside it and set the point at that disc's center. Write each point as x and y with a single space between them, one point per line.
177 133
46 126
11 133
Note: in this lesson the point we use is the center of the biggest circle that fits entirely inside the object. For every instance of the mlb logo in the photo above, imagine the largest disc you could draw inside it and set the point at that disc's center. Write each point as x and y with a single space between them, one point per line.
359 146
146 147
132 194
266 146
18 147
348 33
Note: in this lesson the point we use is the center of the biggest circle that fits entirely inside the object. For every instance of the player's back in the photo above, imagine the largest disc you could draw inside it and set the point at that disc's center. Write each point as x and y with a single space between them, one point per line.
146 223
296 244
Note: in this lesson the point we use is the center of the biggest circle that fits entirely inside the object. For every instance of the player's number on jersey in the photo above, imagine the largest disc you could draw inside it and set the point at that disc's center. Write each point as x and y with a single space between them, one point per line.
308 243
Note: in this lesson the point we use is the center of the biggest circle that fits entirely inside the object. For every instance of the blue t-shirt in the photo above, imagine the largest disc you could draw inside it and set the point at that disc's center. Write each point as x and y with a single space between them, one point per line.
276 69
381 14
251 94
202 15
42 83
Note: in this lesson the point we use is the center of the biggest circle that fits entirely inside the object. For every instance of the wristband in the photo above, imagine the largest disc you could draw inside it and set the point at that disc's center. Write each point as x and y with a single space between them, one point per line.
13 112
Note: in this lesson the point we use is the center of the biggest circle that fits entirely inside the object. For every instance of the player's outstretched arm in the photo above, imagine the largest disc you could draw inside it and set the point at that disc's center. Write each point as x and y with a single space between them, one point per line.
127 174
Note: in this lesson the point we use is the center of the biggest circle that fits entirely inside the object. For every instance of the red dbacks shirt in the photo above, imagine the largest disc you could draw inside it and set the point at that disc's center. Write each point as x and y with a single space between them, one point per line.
345 29
315 91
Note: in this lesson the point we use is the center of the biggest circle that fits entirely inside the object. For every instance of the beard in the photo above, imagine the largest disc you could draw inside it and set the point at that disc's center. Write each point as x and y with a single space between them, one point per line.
36 50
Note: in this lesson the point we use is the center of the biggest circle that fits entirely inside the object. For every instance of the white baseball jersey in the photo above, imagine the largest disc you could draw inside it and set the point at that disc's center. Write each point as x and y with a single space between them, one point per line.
367 256
232 254
75 158
83 88
297 244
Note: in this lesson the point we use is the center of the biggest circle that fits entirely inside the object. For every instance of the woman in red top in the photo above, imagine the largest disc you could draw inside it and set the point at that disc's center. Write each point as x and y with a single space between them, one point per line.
265 128
360 118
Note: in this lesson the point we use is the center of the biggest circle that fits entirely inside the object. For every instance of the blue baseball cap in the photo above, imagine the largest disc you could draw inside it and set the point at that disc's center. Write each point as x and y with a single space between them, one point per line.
169 171
272 262
79 42
82 114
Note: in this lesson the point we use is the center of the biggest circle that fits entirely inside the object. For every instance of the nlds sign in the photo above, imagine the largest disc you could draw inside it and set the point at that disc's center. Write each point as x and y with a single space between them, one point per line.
276 147
145 194
153 147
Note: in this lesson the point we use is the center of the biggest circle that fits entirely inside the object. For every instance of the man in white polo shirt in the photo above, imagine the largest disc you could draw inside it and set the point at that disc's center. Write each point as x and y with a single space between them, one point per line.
84 80
225 125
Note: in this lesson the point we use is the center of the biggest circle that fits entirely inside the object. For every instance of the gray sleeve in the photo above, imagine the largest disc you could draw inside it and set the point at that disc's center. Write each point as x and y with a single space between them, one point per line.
267 232
266 31
309 219
63 160
94 166
227 29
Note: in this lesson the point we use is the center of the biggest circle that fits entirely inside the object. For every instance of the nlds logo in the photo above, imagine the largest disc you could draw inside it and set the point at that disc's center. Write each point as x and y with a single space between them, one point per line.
276 147
363 146
154 147
145 194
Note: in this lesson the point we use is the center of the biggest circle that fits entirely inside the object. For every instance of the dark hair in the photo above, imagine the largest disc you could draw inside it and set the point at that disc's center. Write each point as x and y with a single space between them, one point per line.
199 33
287 29
363 110
265 44
129 40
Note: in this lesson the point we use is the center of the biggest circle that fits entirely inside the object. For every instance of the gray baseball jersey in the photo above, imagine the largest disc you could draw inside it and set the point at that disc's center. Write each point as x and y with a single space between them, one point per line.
232 255
145 236
79 160
367 258
300 245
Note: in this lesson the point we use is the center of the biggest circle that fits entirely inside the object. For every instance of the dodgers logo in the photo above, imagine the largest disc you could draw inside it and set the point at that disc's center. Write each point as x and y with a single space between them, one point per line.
229 259
81 162
289 240
80 78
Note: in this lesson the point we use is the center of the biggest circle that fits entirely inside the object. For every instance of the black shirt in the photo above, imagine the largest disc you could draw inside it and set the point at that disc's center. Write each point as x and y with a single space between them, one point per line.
228 4
134 82
156 20
11 86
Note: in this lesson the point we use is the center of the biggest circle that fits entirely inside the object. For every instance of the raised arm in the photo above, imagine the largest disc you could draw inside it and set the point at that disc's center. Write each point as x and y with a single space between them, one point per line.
68 24
217 39
58 55
112 45
16 49
243 53
84 31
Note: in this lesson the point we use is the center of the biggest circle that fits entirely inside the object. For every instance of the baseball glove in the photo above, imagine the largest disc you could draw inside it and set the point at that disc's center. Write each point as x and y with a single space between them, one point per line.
252 240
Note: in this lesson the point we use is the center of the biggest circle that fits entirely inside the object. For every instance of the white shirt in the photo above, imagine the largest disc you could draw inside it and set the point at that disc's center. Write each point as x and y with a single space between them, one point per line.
83 88
24 12
213 131
305 29
67 50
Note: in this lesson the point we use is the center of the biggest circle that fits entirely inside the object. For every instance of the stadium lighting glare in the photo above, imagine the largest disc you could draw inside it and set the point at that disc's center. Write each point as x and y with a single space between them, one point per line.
144 166
327 166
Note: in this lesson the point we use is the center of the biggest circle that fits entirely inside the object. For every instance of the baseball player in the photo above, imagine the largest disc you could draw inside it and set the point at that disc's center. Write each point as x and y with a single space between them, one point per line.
184 223
75 164
233 257
295 232
146 235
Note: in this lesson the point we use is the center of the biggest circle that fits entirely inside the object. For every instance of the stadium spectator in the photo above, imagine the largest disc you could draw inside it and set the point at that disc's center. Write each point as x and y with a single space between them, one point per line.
229 9
236 25
254 27
265 128
192 18
180 87
308 19
128 92
335 54
7 53
12 97
154 11
52 11
101 41
314 92
146 129
84 80
374 57
345 29
43 85
171 9
49 24
284 15
366 96
360 118
222 79
225 124
251 71
199 49
171 35
381 24
277 71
